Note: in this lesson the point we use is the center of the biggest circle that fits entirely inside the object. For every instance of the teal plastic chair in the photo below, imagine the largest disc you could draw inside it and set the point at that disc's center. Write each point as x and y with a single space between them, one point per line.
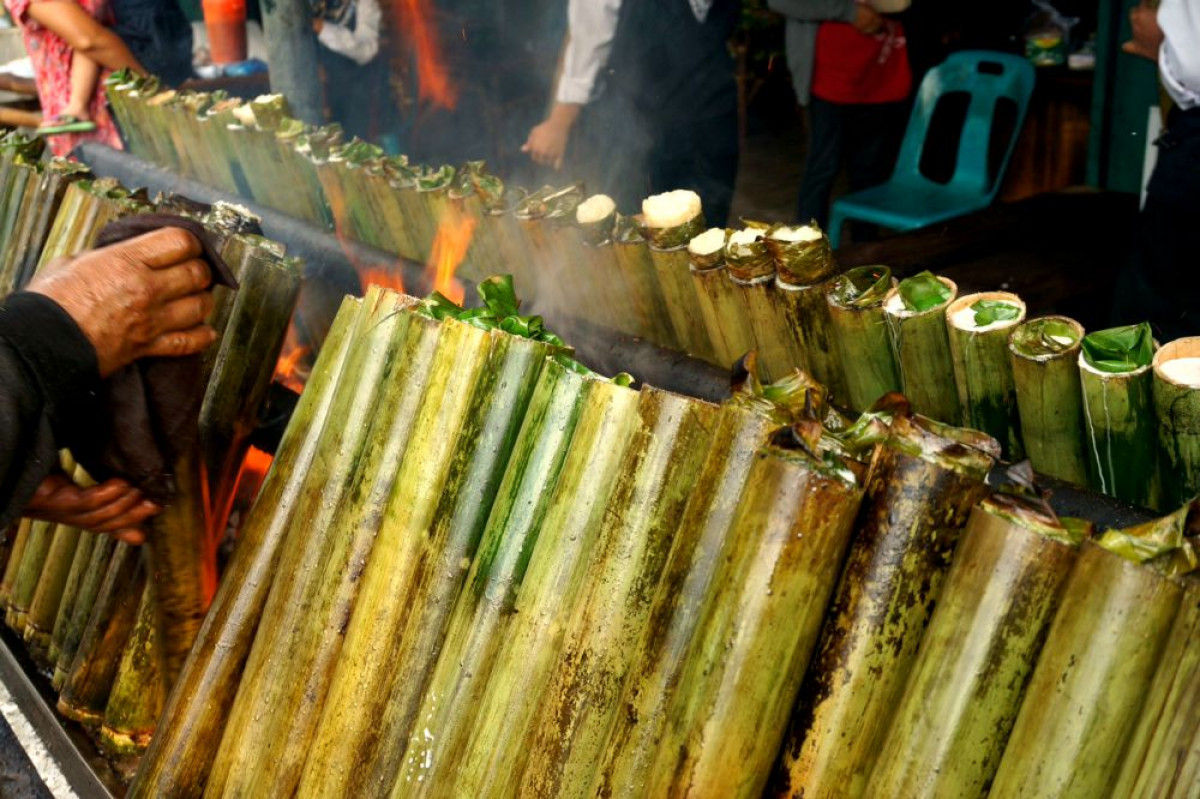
910 200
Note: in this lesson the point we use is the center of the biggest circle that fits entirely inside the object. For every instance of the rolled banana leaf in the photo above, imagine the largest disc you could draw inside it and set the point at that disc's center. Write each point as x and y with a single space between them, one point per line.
668 242
924 483
949 731
181 754
1118 414
642 285
43 609
855 300
13 566
33 558
427 748
71 591
295 650
1096 668
1045 353
67 640
137 694
915 311
725 317
1177 404
759 626
979 326
803 255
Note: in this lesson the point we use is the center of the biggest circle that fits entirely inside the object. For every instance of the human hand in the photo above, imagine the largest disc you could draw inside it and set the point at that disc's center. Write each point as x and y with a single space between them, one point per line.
147 296
318 25
547 143
113 507
867 20
1147 36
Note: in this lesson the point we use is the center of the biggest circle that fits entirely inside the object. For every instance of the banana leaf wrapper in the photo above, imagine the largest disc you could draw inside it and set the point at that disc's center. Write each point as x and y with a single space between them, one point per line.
88 683
643 290
67 641
43 609
801 263
669 255
70 595
137 694
1121 434
1091 680
13 565
953 721
759 626
924 482
427 748
921 345
554 581
283 686
857 320
1045 353
1177 407
181 754
987 390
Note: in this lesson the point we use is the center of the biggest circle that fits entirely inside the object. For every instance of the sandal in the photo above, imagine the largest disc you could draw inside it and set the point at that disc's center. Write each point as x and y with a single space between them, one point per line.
65 123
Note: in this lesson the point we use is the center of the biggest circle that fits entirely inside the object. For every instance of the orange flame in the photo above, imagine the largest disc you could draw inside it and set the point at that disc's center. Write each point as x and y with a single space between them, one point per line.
450 247
291 368
416 20
384 278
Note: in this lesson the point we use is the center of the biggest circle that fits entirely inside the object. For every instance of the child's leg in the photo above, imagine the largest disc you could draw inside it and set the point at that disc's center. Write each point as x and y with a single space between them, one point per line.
84 75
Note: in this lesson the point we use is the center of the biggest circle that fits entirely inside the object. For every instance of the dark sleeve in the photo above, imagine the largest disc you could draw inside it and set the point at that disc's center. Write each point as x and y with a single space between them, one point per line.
48 369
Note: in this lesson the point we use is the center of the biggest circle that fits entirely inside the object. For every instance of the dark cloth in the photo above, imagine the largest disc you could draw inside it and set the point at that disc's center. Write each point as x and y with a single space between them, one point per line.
356 94
159 35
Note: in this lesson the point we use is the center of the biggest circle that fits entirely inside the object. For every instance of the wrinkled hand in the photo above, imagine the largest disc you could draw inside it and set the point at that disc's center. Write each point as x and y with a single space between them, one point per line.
112 507
147 296
867 20
1147 36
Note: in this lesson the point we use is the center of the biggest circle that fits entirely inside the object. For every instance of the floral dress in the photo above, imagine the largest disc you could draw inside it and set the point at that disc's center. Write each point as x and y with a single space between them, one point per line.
51 57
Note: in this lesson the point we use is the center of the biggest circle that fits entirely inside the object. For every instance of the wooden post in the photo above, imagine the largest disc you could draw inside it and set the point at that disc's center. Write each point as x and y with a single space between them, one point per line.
292 51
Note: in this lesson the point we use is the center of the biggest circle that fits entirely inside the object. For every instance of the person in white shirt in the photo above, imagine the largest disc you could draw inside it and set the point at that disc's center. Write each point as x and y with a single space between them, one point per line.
348 35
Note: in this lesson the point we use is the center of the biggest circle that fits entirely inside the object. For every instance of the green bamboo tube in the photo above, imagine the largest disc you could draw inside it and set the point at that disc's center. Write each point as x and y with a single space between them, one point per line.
751 268
758 629
1089 684
574 282
1177 406
1163 757
308 203
805 315
987 392
695 555
79 222
1120 435
137 694
924 483
484 608
951 726
59 174
33 558
503 226
859 327
70 594
726 321
641 283
48 594
669 222
23 209
166 153
1045 353
182 752
81 612
89 681
212 129
13 566
433 198
607 299
22 190
295 649
921 346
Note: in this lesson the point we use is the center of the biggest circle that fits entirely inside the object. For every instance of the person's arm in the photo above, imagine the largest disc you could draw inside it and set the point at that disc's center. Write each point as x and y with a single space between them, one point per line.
84 34
817 10
1179 60
359 45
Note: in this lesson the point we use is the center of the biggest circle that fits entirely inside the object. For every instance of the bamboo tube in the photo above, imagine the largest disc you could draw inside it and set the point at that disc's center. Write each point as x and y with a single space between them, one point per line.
89 681
726 321
1177 403
23 180
922 346
1119 421
924 483
430 750
179 758
987 392
43 609
81 218
1090 682
642 286
751 268
432 196
295 649
1163 757
71 592
58 176
137 694
758 628
949 731
1044 355
860 329
75 626
33 558
668 222
611 306
23 209
13 566
805 316
416 628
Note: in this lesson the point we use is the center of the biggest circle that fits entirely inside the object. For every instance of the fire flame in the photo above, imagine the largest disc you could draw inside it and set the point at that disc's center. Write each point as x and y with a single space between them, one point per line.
288 370
384 278
450 247
417 21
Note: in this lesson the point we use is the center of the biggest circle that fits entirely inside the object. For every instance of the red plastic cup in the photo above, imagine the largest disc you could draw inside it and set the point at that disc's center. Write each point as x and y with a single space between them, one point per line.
226 24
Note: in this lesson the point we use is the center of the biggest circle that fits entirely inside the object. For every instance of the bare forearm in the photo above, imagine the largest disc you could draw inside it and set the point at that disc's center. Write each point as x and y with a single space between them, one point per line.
83 34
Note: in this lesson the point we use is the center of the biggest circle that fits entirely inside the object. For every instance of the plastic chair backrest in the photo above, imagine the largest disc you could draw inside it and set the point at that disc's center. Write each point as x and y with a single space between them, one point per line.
986 77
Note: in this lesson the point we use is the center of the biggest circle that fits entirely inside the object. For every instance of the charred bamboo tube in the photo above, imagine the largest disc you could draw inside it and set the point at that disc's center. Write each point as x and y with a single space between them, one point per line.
577 708
806 318
1045 352
916 317
89 682
645 292
81 612
363 681
33 559
1163 757
758 628
752 270
43 609
75 579
137 694
725 316
979 327
1089 684
486 440
181 754
1118 415
13 566
953 721
857 318
483 609
295 648
924 483
1177 403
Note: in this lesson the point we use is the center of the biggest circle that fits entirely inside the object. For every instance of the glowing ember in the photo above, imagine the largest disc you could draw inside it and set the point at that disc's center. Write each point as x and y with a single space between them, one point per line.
450 246
292 368
417 22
